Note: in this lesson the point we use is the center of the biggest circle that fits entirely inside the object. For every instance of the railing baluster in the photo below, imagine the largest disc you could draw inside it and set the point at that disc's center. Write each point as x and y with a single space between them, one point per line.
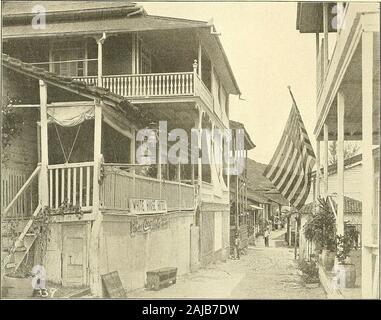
69 185
74 186
80 185
159 88
87 186
129 86
56 183
62 185
50 188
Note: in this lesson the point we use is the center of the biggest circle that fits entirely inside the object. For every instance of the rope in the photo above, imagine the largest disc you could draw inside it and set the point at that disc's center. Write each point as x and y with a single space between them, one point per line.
59 139
67 158
75 140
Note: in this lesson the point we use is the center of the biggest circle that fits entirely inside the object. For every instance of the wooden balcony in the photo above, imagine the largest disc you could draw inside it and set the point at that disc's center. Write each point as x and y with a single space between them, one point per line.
120 186
74 183
155 85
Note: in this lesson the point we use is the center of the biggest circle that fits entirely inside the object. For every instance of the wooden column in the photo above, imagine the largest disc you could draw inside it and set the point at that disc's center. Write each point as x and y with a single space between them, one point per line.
340 163
97 153
325 30
133 158
318 172
317 69
325 160
198 124
100 42
43 178
199 59
367 164
94 254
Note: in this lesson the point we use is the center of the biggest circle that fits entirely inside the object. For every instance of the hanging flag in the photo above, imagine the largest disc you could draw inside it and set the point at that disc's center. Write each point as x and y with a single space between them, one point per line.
291 165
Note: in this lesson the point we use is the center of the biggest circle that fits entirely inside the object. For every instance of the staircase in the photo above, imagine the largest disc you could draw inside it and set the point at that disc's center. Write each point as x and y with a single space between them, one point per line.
16 238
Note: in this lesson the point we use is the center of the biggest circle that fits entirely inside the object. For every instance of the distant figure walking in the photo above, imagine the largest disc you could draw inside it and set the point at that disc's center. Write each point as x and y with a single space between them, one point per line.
267 236
236 246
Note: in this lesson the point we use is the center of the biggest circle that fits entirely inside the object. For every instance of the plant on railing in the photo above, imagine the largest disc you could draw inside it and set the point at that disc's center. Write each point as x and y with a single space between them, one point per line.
68 208
12 122
321 227
345 244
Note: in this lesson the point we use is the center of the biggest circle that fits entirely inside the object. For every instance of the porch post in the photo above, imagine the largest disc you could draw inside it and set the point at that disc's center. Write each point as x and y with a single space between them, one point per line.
325 160
133 157
367 164
198 125
318 172
199 59
100 42
94 254
43 179
325 30
97 153
340 162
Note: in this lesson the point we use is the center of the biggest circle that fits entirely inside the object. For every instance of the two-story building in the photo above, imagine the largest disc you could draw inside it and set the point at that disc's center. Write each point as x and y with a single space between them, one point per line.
88 78
348 108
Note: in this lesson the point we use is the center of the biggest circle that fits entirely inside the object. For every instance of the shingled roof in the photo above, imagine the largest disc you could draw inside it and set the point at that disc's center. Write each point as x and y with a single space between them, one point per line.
249 144
350 206
75 86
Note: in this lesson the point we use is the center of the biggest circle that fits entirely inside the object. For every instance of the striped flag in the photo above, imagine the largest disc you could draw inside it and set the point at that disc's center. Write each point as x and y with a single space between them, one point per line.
291 165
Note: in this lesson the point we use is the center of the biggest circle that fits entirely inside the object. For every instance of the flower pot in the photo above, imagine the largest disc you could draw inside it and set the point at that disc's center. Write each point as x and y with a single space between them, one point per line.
346 275
328 259
17 288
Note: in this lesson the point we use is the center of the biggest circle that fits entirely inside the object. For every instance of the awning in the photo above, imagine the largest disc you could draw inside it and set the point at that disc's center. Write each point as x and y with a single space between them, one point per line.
70 116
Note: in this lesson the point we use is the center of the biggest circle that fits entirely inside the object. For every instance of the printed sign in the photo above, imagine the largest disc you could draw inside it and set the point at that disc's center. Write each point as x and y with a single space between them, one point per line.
147 206
148 224
113 285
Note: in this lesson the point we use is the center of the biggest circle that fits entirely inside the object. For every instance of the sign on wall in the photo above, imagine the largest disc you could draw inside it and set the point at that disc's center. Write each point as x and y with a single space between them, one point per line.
147 206
148 224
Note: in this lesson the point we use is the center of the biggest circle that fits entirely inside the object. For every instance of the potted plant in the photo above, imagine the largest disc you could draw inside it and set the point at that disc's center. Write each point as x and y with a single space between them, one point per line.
345 270
23 282
16 283
310 273
321 229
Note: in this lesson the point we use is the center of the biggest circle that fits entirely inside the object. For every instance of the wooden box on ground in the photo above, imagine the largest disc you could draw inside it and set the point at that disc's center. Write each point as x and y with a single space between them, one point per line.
161 277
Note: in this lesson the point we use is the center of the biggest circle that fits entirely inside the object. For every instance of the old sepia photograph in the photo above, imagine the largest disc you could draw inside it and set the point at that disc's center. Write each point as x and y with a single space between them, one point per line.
190 150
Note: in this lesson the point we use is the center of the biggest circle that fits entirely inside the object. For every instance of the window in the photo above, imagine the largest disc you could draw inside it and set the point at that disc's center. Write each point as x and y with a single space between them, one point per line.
145 61
65 58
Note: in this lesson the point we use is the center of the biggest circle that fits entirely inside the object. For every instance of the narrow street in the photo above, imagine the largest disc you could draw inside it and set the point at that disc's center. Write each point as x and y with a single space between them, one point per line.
262 273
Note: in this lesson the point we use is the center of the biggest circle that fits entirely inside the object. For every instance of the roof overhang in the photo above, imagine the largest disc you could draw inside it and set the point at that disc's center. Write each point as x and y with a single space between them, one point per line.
309 18
119 103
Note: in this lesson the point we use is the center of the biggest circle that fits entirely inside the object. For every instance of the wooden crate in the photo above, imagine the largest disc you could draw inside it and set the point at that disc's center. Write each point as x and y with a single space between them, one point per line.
161 277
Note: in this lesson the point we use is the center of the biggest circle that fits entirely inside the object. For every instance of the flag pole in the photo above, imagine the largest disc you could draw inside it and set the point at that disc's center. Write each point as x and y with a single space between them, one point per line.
292 96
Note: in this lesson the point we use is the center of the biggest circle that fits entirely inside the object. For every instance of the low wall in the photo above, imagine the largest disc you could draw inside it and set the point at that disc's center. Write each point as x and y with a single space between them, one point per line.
129 247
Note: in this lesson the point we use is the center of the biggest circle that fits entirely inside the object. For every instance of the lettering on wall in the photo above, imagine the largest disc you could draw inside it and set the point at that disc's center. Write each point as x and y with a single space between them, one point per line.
148 224
147 206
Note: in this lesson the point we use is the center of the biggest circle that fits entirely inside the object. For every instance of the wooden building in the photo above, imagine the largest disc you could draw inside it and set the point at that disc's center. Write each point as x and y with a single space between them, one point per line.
348 108
87 82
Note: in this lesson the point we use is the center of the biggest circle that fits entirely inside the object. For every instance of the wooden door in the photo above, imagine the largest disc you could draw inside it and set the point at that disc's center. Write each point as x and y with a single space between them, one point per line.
74 253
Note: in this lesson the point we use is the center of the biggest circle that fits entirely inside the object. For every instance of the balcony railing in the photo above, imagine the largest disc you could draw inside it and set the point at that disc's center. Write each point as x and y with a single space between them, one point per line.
154 85
72 183
119 187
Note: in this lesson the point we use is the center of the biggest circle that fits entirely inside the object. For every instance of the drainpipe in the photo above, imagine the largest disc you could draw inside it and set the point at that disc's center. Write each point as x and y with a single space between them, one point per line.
100 42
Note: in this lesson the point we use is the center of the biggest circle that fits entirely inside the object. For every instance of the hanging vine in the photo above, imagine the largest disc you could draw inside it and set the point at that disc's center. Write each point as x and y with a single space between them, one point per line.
12 122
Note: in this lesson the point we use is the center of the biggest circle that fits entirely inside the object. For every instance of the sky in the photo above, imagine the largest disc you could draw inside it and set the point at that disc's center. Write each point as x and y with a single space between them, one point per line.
267 54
